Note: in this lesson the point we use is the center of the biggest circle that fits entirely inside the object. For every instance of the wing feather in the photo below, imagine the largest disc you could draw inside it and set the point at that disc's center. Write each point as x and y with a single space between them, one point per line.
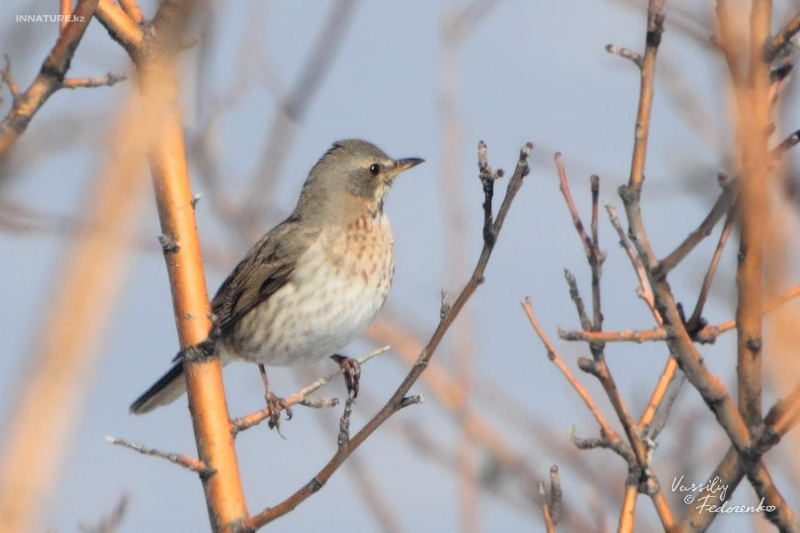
267 267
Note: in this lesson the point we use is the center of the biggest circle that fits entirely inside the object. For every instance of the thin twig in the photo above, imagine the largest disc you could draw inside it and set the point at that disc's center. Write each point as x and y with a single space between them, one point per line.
300 397
636 261
120 27
131 8
555 357
344 422
722 206
596 258
548 520
662 420
694 321
655 334
787 144
487 176
710 333
646 293
8 79
98 81
781 40
575 295
625 53
576 219
555 494
618 446
190 463
626 515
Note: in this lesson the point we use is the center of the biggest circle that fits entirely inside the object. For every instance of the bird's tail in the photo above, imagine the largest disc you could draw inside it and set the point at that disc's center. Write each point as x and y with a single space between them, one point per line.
164 391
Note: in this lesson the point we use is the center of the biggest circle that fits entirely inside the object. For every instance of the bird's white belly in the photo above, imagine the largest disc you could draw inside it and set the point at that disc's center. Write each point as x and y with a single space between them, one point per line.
326 305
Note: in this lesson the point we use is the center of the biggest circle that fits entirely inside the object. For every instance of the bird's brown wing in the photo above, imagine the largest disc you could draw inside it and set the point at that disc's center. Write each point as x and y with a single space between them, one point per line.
267 267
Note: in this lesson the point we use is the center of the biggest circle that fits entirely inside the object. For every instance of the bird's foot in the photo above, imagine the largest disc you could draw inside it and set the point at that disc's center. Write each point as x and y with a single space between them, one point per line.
275 406
352 373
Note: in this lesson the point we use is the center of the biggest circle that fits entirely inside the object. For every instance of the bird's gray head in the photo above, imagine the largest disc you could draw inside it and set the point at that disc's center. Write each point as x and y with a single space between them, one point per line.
351 180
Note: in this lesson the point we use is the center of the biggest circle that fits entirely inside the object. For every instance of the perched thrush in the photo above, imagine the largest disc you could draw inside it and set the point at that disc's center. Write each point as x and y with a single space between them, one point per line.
314 282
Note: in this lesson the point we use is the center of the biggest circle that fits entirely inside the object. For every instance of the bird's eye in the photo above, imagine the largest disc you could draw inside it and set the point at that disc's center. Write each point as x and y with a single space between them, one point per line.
374 169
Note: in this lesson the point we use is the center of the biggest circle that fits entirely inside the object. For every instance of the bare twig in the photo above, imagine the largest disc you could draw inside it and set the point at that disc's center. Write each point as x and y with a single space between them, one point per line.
617 446
636 261
596 258
576 219
710 333
781 40
722 206
575 295
300 397
190 463
555 494
662 420
787 144
646 293
626 515
655 27
99 81
131 9
344 422
695 320
606 431
8 79
548 520
120 27
625 53
655 334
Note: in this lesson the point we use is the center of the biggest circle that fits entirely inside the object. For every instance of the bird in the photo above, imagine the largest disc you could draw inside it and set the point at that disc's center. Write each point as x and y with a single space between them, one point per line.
313 283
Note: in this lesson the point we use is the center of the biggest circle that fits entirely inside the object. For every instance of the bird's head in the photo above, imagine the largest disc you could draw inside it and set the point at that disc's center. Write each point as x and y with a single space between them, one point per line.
351 180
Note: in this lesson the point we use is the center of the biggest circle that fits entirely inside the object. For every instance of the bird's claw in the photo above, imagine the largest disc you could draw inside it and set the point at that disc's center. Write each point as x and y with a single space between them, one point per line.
352 372
275 406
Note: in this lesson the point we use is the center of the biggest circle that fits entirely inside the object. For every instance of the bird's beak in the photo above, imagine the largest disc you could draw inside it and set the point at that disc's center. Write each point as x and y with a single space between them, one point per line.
404 164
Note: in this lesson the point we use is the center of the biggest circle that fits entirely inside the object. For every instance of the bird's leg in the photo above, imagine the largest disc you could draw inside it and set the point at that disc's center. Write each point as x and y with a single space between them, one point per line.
274 404
352 372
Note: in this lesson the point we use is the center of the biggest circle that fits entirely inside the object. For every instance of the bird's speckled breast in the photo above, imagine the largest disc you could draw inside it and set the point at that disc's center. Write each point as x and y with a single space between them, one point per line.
341 283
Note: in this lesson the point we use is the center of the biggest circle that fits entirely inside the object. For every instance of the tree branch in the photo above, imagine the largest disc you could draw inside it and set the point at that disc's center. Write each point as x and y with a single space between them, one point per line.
48 80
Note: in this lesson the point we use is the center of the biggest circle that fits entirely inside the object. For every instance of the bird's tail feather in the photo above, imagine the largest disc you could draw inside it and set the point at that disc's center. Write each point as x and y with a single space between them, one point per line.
164 391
